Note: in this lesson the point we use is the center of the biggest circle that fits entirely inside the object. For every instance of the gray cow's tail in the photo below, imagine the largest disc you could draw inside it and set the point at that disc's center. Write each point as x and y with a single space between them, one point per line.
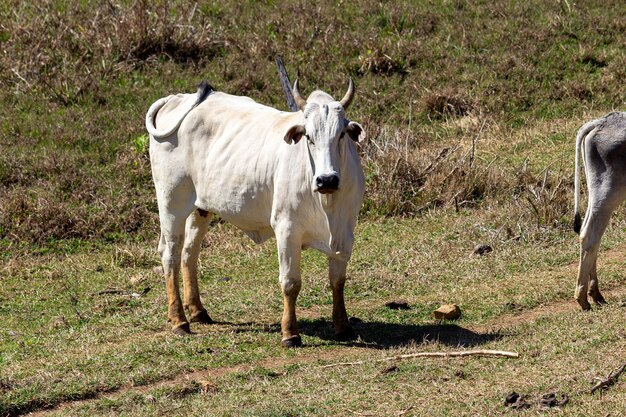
204 89
580 137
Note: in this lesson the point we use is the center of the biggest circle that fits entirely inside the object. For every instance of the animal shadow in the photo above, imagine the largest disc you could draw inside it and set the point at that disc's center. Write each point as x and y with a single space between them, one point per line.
380 335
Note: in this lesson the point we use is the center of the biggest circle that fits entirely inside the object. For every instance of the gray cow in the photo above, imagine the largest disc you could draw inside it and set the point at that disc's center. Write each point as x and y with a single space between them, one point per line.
603 143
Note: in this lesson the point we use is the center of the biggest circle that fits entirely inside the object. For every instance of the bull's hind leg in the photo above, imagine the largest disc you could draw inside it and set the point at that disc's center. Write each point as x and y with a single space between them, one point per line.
196 228
289 256
175 205
337 274
172 237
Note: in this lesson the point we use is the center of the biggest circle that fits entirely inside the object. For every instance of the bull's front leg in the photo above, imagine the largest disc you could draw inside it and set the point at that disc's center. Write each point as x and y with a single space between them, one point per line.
289 255
196 228
337 274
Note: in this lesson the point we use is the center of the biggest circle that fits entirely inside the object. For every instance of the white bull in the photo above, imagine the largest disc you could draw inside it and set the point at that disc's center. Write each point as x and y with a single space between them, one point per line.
296 176
603 144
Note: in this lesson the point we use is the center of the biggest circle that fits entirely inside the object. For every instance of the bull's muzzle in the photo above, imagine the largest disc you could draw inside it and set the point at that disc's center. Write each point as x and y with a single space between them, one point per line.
327 184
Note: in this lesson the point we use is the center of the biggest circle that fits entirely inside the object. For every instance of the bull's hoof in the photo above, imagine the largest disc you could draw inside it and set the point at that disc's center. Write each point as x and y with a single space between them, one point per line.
346 335
292 342
182 330
201 317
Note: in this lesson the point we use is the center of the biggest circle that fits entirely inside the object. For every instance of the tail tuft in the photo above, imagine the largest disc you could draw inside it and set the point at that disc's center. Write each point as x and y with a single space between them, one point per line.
204 89
577 223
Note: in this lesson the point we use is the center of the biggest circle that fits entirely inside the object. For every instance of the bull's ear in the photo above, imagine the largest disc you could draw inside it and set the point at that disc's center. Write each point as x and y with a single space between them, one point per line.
294 134
355 131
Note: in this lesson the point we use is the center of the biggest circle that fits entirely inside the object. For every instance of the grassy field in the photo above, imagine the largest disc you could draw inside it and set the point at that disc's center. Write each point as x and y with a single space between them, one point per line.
471 109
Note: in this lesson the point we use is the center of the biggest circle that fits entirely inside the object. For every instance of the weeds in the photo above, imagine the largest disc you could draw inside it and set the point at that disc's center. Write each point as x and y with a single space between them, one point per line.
405 180
67 53
77 78
439 106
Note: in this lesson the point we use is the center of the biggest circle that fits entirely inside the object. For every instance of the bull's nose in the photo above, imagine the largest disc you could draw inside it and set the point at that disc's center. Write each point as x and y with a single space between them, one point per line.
327 183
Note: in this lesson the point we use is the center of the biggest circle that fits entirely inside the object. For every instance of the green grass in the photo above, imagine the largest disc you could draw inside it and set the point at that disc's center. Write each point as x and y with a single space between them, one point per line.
451 387
65 340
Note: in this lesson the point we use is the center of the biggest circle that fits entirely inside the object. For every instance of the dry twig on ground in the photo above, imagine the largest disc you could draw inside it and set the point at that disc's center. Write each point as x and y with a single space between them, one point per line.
609 380
481 352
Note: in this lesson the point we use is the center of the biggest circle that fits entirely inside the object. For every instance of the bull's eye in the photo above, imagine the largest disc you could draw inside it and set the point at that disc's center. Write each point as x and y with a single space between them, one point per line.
308 138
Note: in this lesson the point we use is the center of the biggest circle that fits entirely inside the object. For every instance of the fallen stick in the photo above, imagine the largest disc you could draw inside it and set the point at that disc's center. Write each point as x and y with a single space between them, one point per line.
403 412
432 355
609 380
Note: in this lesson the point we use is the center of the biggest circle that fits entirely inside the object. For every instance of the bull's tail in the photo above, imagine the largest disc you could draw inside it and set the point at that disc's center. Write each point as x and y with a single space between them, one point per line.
204 89
580 137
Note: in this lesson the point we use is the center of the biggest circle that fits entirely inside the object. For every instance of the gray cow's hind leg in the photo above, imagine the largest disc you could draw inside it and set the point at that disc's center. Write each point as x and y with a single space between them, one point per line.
601 206
587 259
594 290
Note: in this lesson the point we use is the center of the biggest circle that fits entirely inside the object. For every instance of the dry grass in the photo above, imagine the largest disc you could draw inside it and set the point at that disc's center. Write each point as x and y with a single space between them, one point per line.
105 345
466 169
71 50
429 93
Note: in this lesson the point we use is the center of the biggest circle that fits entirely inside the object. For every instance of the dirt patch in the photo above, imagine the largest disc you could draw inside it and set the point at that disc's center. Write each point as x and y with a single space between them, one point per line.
517 316
310 356
204 379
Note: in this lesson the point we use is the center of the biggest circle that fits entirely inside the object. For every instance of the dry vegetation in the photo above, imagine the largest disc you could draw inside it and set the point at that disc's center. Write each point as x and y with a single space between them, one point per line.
436 84
470 112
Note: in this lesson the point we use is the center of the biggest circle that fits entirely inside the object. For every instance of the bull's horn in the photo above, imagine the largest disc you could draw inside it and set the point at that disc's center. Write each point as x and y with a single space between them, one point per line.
345 101
297 97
